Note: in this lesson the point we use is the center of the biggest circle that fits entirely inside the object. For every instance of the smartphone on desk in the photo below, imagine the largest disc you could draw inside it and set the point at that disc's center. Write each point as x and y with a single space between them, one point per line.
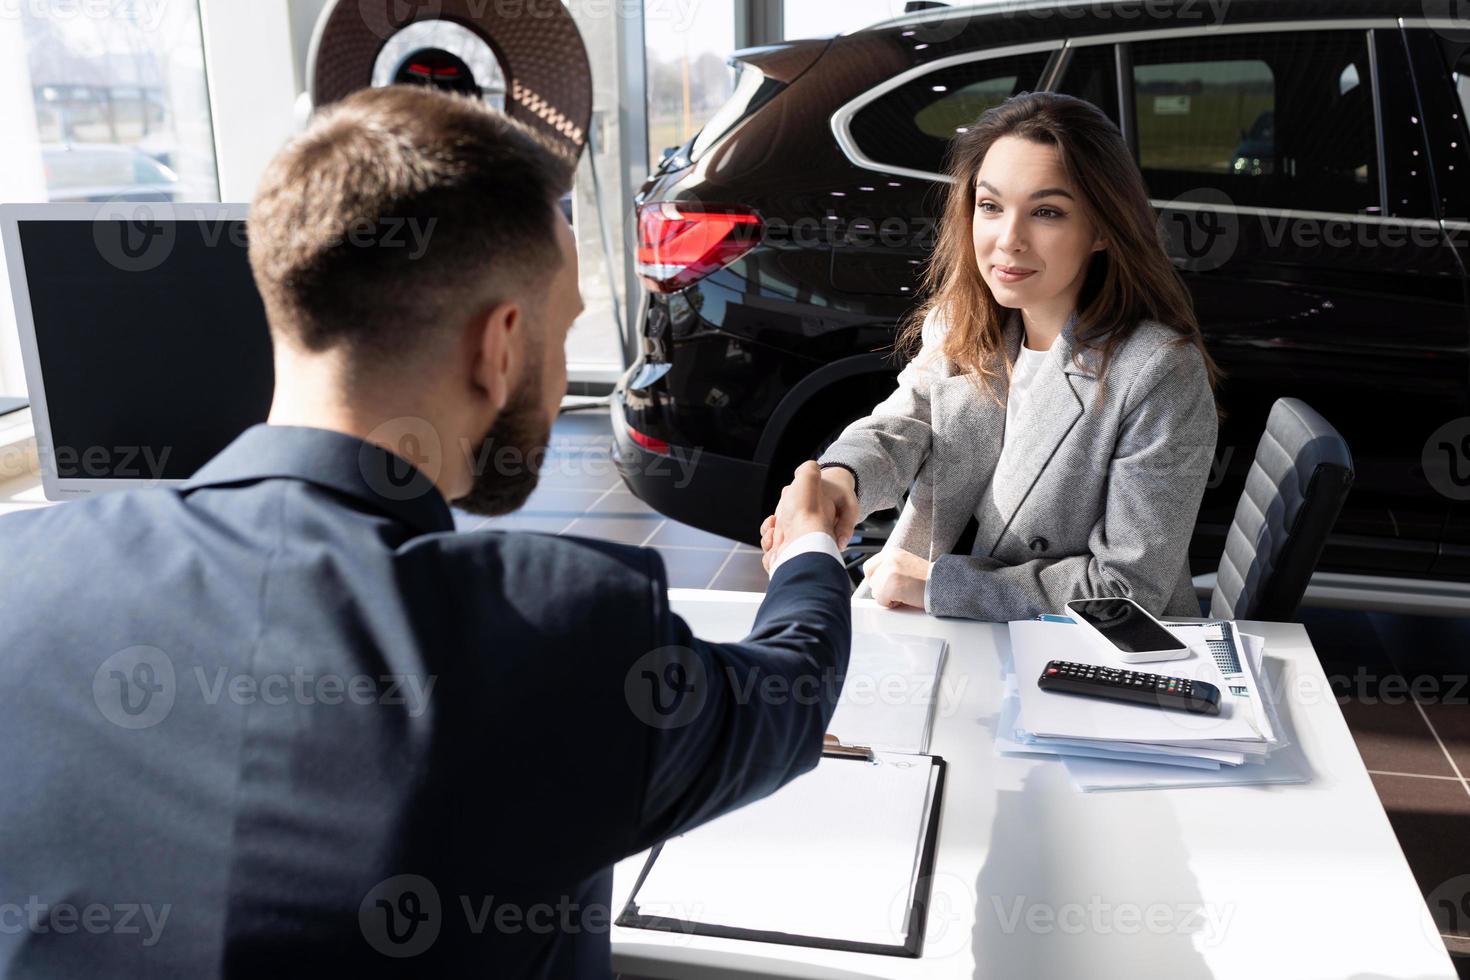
1127 627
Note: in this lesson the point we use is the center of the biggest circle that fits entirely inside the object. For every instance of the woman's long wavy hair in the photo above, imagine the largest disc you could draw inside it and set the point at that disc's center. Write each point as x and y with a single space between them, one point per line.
1128 281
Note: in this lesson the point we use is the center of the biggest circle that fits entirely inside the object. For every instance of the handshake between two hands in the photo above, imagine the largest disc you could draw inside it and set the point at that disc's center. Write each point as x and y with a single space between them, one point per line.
824 500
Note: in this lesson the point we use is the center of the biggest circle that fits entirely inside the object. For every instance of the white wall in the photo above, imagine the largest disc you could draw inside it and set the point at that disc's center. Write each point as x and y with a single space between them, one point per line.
253 109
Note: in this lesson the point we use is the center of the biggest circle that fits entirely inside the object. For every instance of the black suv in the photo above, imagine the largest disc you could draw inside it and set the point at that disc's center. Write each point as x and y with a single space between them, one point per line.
1309 165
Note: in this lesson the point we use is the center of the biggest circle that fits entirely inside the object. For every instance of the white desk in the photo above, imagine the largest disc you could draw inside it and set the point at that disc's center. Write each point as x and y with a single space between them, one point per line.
1034 879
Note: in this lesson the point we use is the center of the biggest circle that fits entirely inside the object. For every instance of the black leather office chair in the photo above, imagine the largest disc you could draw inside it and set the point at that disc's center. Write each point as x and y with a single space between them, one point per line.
1293 493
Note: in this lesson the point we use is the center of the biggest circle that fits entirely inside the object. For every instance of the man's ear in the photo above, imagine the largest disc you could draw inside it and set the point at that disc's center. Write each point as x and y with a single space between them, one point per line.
498 360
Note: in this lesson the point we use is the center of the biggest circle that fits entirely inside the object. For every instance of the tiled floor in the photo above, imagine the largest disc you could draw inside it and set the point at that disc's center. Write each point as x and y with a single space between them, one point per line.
1401 680
1404 686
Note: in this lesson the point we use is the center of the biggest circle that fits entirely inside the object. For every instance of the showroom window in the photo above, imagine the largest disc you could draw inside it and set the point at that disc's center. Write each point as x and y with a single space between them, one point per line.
686 47
912 125
1209 115
121 106
100 103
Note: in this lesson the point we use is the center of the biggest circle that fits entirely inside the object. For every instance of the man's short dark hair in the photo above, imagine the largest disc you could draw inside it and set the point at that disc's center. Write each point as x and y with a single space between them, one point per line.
397 214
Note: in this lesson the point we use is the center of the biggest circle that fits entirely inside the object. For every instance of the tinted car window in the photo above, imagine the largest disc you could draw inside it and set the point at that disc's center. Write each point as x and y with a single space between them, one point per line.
912 125
1092 75
1273 120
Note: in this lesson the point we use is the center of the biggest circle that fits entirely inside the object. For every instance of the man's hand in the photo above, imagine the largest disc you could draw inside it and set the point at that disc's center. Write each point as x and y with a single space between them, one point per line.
897 578
805 507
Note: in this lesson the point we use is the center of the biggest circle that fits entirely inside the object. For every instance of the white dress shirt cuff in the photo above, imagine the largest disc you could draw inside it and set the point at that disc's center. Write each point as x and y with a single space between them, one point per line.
815 541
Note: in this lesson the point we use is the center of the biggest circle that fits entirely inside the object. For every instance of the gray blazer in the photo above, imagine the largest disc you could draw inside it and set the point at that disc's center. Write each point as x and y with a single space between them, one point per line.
1101 490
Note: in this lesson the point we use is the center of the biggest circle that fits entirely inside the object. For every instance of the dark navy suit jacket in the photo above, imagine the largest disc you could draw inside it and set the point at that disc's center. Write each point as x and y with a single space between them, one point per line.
284 719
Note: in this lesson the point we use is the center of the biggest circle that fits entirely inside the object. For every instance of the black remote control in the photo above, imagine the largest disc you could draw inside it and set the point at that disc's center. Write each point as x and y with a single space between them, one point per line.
1179 693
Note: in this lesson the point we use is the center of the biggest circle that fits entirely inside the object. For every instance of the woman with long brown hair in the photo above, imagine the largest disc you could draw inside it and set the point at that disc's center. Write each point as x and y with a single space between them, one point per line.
1059 390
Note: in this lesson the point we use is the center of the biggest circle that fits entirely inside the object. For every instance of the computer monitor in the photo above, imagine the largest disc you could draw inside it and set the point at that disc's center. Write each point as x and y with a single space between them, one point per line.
145 341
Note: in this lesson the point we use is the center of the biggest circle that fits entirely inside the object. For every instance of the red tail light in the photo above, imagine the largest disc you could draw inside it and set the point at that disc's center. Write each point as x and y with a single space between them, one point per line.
677 247
648 442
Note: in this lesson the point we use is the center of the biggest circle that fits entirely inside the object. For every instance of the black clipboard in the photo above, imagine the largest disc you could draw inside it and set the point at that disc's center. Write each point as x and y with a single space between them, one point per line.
918 915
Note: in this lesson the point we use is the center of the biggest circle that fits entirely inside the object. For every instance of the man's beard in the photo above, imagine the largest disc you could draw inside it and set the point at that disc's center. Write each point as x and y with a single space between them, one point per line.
507 462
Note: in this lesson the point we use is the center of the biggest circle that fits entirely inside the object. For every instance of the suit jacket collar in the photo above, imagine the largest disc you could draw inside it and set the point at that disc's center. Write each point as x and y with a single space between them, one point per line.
334 460
969 428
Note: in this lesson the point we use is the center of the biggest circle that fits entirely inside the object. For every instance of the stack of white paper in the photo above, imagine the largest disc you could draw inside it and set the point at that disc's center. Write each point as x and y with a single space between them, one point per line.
890 691
1117 744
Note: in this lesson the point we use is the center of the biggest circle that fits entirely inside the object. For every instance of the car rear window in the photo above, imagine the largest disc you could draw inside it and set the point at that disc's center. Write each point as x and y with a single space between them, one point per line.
911 125
752 90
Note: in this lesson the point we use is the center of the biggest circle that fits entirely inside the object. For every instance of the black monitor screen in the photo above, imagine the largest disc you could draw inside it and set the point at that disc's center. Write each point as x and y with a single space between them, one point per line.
152 341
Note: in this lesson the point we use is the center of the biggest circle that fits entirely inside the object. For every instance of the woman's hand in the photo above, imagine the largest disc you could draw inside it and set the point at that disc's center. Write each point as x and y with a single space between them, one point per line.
897 578
836 489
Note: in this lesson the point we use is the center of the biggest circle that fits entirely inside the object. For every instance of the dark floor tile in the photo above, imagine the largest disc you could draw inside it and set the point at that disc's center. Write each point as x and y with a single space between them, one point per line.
743 573
1424 644
1450 717
1431 818
1344 640
692 568
1392 737
674 533
626 530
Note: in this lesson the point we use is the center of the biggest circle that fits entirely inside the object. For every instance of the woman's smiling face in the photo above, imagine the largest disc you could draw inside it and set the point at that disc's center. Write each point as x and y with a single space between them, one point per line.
1032 235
